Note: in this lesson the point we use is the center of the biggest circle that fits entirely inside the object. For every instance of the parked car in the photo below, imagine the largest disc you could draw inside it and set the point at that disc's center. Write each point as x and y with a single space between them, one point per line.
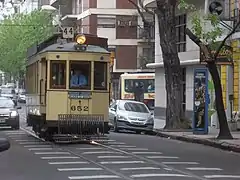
130 115
9 115
22 96
10 93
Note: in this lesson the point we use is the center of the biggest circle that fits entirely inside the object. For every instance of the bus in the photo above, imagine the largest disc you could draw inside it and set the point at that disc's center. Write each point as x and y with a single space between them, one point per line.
128 81
68 88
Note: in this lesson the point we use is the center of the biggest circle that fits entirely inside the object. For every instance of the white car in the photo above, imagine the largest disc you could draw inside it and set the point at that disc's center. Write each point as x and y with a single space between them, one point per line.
130 115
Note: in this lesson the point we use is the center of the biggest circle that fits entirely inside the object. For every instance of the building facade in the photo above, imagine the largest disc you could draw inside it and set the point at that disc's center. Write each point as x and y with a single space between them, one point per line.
189 58
117 20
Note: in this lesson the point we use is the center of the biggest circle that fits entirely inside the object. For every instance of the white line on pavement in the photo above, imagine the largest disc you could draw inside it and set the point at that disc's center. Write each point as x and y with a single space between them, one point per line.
79 169
65 163
122 162
135 149
117 143
101 152
139 168
94 177
146 152
203 169
89 148
60 157
33 142
176 163
122 146
37 145
40 149
162 157
158 175
102 157
222 176
50 153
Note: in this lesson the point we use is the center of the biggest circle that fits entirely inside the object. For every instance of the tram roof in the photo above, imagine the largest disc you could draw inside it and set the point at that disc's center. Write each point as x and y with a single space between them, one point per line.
69 47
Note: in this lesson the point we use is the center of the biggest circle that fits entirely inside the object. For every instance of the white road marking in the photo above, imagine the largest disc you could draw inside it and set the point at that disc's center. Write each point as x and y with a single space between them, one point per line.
40 149
60 157
189 163
139 168
122 162
167 169
162 157
117 143
25 140
102 157
146 152
222 176
15 133
94 177
64 163
203 169
34 142
51 153
89 148
101 152
79 169
37 145
135 149
122 146
158 175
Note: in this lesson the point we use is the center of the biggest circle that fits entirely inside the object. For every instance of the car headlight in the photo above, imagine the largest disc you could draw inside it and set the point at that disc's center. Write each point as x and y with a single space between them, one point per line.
13 114
121 117
150 120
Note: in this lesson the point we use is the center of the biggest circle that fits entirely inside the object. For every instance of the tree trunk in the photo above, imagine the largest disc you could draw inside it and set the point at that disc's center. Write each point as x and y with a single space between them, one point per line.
224 132
167 31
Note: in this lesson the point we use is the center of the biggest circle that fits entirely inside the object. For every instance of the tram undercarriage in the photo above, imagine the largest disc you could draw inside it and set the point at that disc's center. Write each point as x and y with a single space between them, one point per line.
70 128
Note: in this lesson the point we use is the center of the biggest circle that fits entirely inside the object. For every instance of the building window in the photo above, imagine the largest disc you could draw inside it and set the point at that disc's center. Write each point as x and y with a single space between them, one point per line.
106 22
58 75
181 32
80 75
100 76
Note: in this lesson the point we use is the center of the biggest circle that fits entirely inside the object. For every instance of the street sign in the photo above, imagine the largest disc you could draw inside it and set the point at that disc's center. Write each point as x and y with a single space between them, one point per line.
68 32
200 101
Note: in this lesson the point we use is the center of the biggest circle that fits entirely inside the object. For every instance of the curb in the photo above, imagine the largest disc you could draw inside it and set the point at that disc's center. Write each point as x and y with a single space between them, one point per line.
216 144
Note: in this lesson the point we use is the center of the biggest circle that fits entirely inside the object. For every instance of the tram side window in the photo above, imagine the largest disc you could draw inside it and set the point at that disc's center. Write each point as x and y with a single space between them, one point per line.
80 75
58 75
100 76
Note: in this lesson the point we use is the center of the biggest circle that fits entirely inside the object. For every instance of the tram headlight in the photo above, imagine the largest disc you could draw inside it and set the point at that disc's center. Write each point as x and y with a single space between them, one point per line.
80 39
13 114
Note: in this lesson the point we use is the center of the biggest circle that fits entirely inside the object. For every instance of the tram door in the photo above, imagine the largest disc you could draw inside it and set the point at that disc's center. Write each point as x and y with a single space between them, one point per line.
43 81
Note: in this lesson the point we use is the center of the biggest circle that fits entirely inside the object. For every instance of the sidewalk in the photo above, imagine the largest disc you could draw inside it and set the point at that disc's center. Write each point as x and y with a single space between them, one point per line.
209 139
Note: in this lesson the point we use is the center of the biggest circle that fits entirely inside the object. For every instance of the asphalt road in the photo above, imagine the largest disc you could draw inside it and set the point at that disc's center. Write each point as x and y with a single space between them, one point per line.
124 156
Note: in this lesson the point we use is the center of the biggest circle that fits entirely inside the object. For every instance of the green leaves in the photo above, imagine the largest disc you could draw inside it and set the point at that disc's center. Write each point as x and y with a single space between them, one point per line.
206 27
17 33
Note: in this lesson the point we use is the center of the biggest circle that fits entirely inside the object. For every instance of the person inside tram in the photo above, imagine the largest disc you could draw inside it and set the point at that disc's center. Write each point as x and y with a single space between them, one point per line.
151 87
78 79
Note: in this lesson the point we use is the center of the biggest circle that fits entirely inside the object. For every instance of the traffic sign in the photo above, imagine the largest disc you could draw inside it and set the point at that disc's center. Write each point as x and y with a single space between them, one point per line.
68 32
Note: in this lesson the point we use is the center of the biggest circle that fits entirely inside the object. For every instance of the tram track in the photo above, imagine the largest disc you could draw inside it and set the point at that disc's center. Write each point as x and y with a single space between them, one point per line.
110 170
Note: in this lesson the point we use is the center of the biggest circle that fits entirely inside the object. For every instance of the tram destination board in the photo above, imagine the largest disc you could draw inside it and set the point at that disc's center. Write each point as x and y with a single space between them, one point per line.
79 95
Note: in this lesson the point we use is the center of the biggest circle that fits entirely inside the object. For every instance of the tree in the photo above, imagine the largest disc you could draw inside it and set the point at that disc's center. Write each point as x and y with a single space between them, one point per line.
206 39
18 32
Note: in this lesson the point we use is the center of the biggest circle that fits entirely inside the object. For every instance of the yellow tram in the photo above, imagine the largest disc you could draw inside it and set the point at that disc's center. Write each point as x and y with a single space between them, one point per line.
68 87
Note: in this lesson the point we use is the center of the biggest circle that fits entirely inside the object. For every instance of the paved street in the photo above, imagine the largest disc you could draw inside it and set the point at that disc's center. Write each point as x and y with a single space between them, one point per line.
124 156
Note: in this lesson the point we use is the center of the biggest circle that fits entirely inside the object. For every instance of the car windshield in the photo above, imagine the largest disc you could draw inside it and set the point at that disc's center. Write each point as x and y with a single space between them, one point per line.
135 107
7 91
6 103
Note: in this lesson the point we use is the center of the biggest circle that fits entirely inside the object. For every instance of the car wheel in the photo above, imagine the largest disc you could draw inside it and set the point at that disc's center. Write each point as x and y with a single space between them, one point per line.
16 127
138 132
115 128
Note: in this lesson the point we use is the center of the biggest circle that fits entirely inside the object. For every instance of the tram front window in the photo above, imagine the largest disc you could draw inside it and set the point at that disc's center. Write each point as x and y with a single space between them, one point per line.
100 76
58 75
80 75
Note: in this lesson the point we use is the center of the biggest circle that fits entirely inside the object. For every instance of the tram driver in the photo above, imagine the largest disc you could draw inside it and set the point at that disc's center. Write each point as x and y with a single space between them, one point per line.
78 79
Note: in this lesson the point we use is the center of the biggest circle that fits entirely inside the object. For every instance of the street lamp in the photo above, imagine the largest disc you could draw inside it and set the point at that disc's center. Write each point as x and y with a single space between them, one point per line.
53 9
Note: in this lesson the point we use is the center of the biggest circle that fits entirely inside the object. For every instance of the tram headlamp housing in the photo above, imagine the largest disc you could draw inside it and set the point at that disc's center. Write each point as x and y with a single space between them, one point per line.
80 39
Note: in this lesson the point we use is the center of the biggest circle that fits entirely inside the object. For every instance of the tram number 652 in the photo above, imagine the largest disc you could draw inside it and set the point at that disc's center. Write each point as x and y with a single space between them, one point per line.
79 108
